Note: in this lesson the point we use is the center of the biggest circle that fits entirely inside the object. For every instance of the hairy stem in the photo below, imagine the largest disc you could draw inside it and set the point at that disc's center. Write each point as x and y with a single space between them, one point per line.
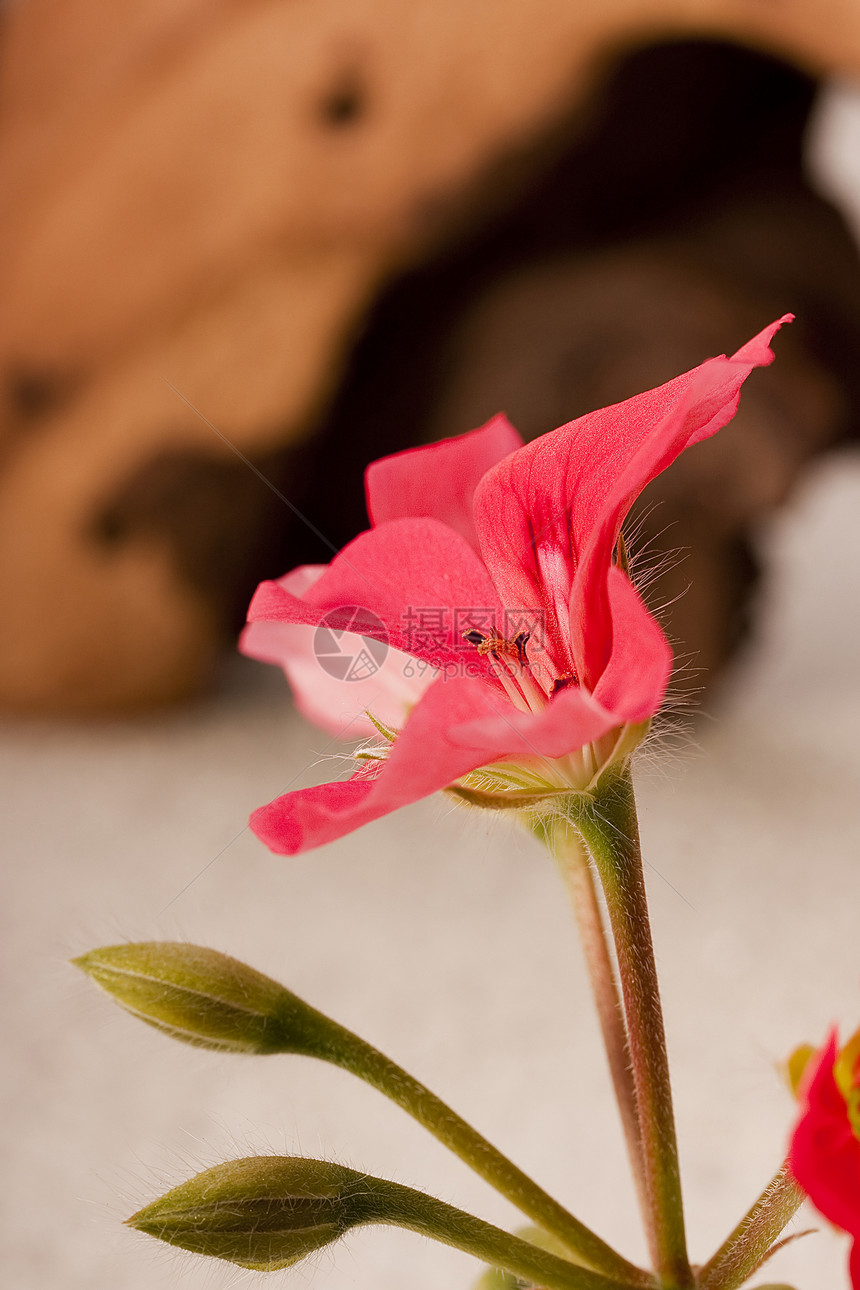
575 868
391 1203
347 1050
607 822
746 1247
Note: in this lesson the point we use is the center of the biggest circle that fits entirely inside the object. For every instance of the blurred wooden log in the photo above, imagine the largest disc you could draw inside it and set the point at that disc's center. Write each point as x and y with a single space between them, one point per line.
210 195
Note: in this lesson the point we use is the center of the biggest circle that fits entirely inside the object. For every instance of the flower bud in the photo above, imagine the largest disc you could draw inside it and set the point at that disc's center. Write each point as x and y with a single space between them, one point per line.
267 1212
194 994
261 1212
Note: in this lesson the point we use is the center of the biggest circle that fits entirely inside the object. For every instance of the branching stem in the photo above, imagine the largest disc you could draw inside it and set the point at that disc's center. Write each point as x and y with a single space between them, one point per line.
345 1049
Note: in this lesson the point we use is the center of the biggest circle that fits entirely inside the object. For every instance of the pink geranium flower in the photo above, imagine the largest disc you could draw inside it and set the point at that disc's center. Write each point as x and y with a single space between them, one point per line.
825 1149
523 659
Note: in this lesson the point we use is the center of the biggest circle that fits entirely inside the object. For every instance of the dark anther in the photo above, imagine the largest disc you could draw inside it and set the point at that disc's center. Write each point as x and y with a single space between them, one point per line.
520 642
474 638
562 683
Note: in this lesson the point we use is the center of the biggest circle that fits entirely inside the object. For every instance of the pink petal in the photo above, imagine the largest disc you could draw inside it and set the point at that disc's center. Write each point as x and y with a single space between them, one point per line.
459 725
417 584
633 683
548 517
439 480
666 421
571 720
825 1155
422 761
310 817
337 703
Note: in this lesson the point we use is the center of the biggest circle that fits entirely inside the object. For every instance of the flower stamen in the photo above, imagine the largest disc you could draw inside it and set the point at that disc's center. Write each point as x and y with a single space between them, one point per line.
510 664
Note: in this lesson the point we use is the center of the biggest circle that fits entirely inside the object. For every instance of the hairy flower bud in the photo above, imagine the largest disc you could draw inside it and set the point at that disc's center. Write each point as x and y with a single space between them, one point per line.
267 1212
194 994
260 1212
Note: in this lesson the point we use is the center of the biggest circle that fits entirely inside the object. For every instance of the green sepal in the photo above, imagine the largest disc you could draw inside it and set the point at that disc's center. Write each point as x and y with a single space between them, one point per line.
515 799
387 732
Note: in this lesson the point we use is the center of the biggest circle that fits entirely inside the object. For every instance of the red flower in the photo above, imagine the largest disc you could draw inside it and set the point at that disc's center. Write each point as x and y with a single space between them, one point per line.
825 1150
541 651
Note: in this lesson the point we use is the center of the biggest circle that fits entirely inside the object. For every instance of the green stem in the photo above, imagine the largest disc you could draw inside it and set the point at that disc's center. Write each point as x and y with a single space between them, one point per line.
608 824
575 868
391 1203
336 1044
742 1252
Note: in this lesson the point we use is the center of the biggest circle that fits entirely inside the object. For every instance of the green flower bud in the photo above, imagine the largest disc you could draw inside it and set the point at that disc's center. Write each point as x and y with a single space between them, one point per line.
205 998
261 1212
194 994
267 1212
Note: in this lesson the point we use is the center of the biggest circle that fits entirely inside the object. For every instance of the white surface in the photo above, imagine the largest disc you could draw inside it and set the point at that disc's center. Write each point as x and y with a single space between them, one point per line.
442 937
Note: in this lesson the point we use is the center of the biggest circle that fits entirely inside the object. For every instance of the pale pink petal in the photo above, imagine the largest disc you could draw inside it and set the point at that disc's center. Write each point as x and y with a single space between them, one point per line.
439 479
339 704
413 583
336 702
633 683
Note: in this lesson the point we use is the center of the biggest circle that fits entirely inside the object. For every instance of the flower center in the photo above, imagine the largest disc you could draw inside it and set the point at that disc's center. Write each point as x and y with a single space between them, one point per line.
510 663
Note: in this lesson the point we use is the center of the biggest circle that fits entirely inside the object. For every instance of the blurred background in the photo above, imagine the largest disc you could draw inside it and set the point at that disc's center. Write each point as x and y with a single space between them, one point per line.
247 248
